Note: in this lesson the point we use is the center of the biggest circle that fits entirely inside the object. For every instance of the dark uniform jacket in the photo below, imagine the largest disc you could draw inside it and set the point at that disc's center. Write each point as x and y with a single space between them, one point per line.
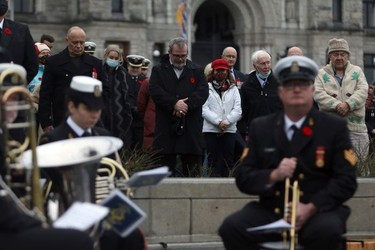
165 90
58 73
134 85
64 131
257 101
325 161
19 46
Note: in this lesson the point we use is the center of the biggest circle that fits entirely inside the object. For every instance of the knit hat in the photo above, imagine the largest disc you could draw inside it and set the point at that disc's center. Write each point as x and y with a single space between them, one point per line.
39 47
336 44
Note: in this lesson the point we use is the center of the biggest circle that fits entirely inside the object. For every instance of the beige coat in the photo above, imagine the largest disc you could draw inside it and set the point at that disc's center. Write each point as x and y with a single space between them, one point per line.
328 94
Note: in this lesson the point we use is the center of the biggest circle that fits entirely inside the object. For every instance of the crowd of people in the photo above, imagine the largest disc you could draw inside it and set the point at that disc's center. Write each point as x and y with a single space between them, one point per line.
190 117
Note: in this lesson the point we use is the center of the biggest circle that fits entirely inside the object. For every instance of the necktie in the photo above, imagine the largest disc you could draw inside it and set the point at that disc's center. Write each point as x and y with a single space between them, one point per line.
86 134
294 128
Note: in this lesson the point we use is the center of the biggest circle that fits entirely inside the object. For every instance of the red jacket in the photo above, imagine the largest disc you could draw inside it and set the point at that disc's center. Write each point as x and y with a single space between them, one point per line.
146 109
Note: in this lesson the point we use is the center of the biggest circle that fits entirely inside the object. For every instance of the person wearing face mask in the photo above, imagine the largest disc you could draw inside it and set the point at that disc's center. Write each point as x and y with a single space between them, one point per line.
16 39
259 92
119 115
43 51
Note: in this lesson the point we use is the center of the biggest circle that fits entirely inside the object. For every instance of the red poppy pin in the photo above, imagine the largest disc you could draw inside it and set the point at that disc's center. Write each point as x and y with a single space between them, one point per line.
7 31
307 131
192 80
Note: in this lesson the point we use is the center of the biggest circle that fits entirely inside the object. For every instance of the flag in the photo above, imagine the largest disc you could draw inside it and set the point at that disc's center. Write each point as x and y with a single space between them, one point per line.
182 17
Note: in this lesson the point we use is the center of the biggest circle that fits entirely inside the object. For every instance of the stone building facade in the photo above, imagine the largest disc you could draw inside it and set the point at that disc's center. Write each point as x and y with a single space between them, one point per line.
145 26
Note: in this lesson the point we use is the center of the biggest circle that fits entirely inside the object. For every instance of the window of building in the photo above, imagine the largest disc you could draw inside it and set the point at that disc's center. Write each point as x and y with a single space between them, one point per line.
337 11
117 6
24 6
369 13
369 62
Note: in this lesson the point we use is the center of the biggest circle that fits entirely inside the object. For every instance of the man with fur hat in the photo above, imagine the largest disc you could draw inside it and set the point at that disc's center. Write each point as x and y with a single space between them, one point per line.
302 145
341 89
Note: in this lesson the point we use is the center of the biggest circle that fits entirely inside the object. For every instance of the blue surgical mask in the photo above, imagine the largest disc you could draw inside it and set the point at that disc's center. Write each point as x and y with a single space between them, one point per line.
112 63
263 76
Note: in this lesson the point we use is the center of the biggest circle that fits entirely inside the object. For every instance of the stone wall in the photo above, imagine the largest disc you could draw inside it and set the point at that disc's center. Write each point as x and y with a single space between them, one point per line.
189 211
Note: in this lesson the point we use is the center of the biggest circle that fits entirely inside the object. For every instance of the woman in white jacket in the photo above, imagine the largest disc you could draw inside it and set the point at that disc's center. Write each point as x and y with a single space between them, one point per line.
221 112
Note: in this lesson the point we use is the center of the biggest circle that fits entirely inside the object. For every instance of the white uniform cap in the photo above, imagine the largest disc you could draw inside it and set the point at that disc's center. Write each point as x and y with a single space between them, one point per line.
86 84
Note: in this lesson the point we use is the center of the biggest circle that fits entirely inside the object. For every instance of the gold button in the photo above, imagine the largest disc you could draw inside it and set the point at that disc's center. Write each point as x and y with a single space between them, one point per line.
277 210
277 193
301 176
300 193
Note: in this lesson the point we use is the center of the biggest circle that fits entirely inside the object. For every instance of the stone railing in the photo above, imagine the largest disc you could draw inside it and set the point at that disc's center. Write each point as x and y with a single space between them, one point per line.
190 210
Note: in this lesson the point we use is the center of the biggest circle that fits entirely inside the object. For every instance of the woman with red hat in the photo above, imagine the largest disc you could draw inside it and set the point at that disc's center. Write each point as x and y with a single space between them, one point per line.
221 112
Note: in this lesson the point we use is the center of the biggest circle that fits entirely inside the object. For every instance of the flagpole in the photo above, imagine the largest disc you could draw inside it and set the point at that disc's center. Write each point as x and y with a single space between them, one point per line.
189 28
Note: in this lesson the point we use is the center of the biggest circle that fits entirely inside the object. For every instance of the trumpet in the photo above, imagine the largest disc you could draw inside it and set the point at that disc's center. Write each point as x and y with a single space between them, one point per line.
16 99
290 211
289 234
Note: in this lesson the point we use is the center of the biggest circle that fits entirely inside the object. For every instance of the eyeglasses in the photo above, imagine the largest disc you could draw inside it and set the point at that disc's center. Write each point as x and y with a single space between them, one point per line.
337 54
263 64
179 56
292 84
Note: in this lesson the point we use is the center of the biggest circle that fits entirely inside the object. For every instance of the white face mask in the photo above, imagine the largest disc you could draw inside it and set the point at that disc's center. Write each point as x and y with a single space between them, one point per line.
112 63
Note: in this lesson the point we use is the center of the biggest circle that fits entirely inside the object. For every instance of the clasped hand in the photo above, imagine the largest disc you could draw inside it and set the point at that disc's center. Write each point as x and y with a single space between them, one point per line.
343 109
181 108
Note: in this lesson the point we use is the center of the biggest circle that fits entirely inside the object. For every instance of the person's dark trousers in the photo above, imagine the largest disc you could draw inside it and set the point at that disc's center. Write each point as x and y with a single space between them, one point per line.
323 231
112 241
46 239
239 146
190 163
220 148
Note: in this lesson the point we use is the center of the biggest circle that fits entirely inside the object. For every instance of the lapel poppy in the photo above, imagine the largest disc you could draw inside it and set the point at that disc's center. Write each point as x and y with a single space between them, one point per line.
7 31
192 80
307 131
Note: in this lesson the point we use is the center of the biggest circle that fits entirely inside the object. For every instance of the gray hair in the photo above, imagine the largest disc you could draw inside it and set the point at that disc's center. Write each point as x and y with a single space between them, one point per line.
257 54
179 41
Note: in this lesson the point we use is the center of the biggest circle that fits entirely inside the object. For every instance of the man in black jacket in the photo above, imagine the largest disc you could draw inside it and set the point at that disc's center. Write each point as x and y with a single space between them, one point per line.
179 89
18 43
259 92
300 144
59 71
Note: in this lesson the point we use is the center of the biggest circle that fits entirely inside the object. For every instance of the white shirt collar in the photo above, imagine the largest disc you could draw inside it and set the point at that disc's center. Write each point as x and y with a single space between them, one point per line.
288 123
77 129
2 23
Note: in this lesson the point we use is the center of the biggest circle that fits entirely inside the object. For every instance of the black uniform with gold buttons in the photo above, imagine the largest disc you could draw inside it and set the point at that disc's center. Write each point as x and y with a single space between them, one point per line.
325 173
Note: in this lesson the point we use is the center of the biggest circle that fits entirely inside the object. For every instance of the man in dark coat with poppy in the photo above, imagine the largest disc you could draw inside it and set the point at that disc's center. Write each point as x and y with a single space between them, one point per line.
179 89
58 73
18 43
300 145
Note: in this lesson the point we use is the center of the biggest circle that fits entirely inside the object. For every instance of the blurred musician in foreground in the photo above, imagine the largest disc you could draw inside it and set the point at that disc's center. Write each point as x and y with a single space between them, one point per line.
19 231
84 103
318 155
